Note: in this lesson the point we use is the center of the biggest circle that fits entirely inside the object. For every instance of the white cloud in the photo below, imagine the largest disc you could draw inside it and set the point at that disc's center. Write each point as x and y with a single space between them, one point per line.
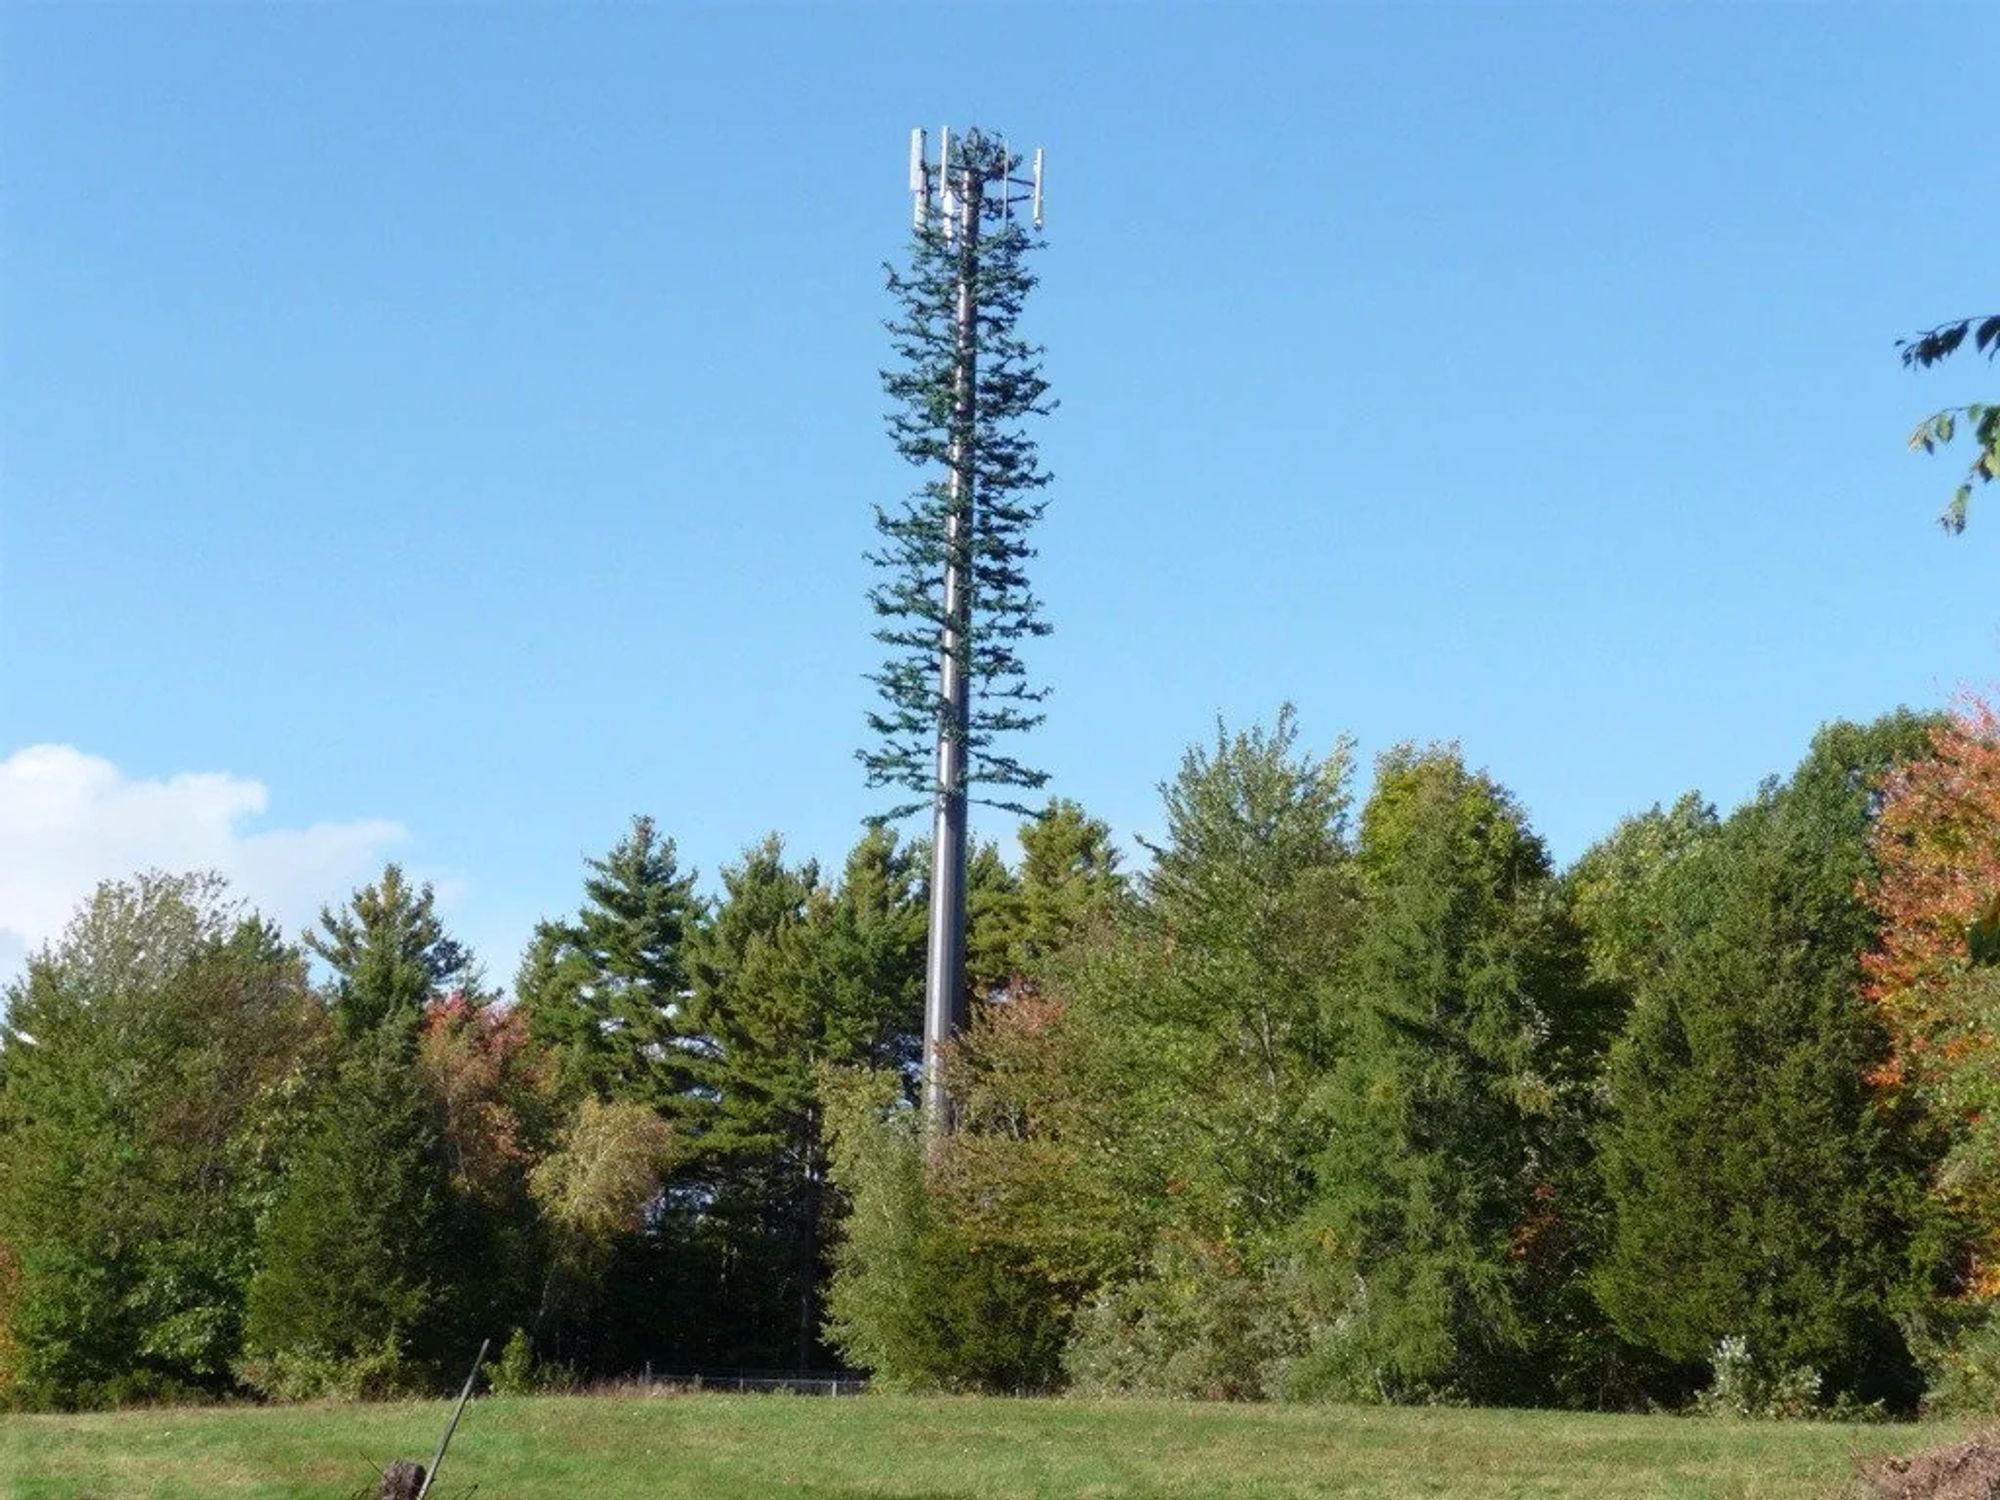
69 820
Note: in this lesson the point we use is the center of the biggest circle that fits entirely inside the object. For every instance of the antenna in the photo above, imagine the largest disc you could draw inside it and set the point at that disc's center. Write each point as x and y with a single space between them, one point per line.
947 200
1038 189
920 179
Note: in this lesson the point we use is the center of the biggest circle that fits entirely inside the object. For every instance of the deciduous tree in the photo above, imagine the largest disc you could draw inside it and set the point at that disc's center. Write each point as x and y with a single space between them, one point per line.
150 1051
1933 974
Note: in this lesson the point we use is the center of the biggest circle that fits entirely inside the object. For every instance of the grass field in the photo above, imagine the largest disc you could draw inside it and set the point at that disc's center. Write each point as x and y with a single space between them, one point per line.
721 1447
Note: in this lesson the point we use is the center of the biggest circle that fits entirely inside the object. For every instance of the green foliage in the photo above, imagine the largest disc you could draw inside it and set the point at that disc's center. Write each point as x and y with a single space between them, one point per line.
1132 1110
791 977
596 1188
513 1373
993 920
1388 1112
1068 884
1940 427
985 527
1745 1388
913 1299
354 1251
382 1371
1959 1350
517 1372
360 1275
1208 1016
1616 888
148 1057
604 991
1759 1189
1441 1112
389 953
869 942
1197 1324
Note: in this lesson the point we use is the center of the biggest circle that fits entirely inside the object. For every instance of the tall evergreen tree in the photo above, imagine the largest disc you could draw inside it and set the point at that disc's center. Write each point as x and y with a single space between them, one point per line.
389 954
870 948
993 916
791 977
1760 1188
354 1289
607 992
354 1281
1069 880
749 968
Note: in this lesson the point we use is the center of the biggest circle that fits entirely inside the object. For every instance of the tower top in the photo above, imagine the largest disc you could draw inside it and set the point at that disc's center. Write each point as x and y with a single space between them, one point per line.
933 182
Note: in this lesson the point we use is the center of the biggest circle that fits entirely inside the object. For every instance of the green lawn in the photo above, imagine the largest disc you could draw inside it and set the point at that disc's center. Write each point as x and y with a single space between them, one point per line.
722 1447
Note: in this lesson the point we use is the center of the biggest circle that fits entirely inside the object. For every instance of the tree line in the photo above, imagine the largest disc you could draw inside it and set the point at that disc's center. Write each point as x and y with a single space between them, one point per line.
1335 1098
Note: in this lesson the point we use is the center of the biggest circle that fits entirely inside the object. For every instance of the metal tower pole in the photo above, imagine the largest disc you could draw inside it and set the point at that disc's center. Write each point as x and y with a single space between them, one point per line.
944 973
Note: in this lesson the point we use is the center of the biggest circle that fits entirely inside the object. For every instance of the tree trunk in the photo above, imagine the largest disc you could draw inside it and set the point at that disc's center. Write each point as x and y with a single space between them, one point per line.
402 1480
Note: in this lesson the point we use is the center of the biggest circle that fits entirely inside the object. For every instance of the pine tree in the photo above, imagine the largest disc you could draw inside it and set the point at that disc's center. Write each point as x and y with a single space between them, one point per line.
1070 880
354 1291
607 992
791 977
1760 1189
389 953
870 942
991 519
1018 922
994 917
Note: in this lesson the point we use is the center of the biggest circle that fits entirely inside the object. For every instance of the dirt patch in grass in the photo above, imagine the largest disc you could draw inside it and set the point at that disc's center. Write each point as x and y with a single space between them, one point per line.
1965 1470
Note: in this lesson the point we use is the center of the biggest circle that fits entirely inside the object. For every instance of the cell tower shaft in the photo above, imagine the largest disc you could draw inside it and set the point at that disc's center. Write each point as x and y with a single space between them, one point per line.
946 995
971 179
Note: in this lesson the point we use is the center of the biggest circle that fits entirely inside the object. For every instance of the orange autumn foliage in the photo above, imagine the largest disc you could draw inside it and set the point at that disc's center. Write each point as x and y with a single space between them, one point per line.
1937 851
487 1080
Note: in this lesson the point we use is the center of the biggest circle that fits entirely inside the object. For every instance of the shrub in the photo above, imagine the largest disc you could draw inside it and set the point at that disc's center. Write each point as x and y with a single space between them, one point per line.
1962 1363
1745 1387
313 1372
1199 1323
915 1298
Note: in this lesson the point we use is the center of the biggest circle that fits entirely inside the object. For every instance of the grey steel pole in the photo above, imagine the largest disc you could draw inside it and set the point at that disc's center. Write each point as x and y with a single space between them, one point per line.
944 971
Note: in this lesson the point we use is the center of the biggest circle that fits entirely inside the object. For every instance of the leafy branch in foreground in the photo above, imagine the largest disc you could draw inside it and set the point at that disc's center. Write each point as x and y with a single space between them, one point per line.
1983 418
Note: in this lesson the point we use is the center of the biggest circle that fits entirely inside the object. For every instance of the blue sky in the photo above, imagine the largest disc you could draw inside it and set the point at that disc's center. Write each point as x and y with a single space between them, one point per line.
444 432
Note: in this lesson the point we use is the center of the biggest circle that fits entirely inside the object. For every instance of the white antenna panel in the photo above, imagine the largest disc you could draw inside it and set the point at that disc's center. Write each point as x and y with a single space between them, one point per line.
947 200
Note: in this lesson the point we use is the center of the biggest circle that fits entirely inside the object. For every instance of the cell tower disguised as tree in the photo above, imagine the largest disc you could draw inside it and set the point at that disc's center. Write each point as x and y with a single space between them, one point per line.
953 596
